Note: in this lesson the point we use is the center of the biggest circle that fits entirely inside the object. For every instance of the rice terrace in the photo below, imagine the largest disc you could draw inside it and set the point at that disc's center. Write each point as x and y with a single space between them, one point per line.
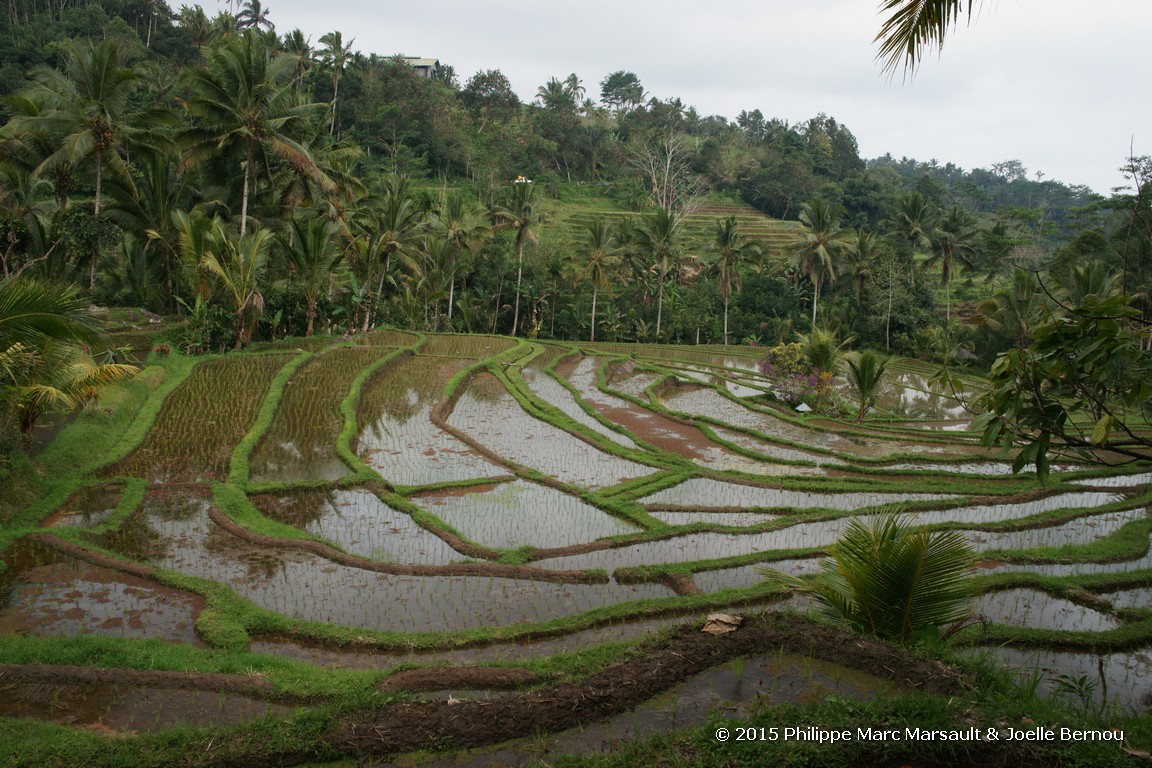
478 515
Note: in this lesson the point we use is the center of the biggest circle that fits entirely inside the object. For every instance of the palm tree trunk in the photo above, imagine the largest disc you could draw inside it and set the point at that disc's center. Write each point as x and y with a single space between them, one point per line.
592 337
244 194
311 314
96 214
815 299
519 272
725 321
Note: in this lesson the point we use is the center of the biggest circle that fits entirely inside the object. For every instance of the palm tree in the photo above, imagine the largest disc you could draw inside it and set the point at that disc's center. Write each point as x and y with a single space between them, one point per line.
659 239
523 215
87 110
598 256
816 255
310 246
865 374
460 221
732 249
239 264
32 312
913 26
389 226
858 261
913 221
335 56
252 16
891 580
247 98
954 241
296 44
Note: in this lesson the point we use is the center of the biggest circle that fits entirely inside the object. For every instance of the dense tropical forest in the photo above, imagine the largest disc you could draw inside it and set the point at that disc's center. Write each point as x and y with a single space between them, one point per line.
258 184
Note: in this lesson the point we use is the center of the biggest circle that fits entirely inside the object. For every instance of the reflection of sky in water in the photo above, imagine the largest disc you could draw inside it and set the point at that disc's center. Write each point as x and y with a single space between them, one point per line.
308 587
1039 610
704 492
1082 530
359 523
1126 678
496 421
547 388
520 514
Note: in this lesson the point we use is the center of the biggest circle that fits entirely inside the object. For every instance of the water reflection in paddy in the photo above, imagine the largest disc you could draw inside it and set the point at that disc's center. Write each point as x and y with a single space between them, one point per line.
518 514
359 523
304 586
1040 610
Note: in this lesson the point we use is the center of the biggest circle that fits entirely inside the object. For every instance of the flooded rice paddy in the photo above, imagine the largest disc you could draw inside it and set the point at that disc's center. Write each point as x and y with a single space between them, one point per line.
444 490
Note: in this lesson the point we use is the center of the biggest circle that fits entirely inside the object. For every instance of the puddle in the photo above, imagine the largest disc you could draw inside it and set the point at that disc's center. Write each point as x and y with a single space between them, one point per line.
1122 680
112 707
518 514
1039 610
44 593
87 507
396 435
202 420
733 690
493 418
360 524
300 444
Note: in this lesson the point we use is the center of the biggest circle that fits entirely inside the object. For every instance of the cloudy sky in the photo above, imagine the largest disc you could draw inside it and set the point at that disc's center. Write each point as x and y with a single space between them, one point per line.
1058 84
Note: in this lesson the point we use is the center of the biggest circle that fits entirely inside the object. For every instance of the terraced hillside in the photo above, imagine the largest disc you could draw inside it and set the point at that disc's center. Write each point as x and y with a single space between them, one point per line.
305 520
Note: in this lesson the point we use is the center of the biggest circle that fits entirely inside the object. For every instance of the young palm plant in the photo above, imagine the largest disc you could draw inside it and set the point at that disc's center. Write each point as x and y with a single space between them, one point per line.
892 580
865 373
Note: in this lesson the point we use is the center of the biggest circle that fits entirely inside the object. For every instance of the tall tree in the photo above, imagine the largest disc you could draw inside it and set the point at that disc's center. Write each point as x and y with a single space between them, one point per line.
659 239
732 248
246 97
596 258
953 242
817 254
334 56
310 245
523 215
88 109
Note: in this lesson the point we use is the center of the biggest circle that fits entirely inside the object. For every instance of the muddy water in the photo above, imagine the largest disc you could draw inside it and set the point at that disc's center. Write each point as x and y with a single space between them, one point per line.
1039 610
308 587
909 394
359 523
776 451
44 593
493 418
1121 680
396 435
124 708
658 430
1130 598
1118 481
301 441
88 507
1077 569
742 519
547 388
512 515
730 690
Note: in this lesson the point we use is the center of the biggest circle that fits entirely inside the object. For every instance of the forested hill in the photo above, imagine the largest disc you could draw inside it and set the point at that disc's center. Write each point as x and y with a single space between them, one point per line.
457 125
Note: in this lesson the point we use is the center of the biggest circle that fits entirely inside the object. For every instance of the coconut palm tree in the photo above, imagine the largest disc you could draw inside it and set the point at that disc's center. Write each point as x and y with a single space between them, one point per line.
732 248
87 110
238 263
889 579
913 221
914 25
953 241
461 221
659 240
523 215
865 374
597 257
32 312
253 16
246 98
334 56
816 256
311 247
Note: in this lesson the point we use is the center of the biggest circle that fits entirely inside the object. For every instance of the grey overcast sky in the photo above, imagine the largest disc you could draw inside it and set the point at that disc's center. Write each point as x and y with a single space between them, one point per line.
1060 85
